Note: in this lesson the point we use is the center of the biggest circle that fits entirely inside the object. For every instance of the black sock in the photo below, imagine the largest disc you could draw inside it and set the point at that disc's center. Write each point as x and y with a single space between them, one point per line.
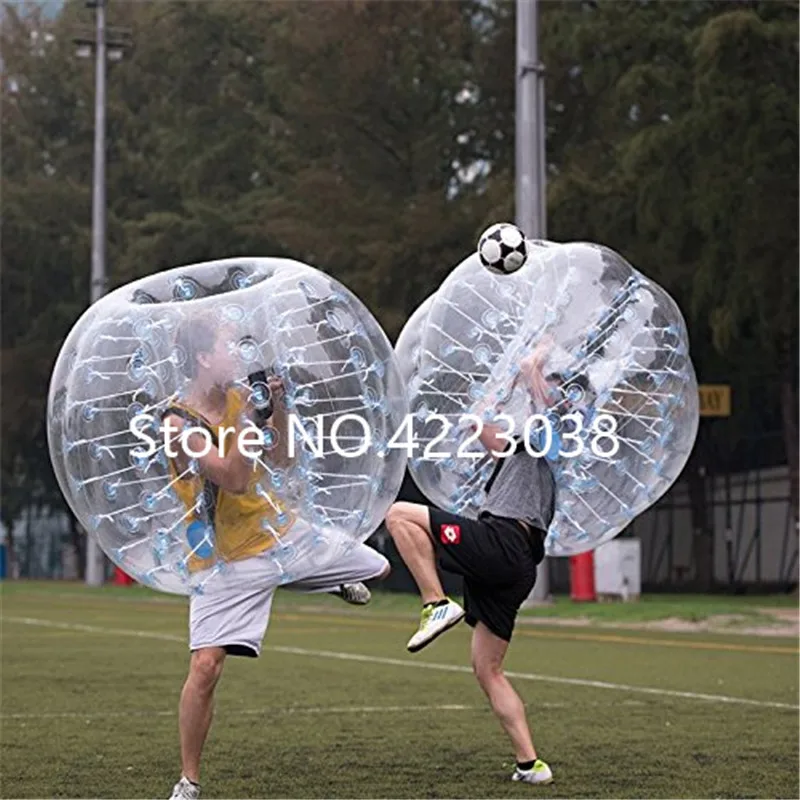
526 765
437 603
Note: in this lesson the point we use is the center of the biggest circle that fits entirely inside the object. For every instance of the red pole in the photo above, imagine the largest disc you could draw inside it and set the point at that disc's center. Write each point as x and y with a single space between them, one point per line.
121 578
581 578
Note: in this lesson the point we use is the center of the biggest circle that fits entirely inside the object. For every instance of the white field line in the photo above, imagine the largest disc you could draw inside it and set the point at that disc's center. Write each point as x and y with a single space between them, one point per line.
529 676
413 664
293 710
251 712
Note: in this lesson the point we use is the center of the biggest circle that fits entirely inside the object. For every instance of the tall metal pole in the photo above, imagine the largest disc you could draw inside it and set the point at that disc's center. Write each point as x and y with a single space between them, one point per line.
95 562
531 215
530 178
541 148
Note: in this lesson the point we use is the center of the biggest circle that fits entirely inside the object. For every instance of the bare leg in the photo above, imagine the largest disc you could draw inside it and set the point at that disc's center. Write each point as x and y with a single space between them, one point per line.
197 706
488 652
409 525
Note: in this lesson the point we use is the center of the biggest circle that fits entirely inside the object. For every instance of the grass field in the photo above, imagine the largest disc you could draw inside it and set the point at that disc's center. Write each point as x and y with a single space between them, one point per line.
336 707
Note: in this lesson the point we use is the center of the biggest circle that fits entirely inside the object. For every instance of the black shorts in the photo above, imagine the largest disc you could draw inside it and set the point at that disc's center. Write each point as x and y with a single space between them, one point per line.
497 559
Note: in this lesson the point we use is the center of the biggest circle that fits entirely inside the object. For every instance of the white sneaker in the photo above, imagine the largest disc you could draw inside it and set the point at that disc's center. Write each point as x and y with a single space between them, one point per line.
538 773
435 621
185 790
354 593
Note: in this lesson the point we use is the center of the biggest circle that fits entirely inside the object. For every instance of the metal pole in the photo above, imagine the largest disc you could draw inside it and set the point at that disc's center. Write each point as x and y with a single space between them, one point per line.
529 123
541 152
530 168
95 562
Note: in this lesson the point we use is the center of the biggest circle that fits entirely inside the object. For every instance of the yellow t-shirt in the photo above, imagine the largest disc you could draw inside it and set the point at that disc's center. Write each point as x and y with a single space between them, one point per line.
242 525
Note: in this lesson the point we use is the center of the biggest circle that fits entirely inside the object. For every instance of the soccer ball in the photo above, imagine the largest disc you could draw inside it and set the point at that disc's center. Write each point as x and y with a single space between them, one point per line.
502 248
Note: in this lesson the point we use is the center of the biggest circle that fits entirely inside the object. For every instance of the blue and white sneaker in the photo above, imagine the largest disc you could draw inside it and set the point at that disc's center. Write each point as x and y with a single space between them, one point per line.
435 620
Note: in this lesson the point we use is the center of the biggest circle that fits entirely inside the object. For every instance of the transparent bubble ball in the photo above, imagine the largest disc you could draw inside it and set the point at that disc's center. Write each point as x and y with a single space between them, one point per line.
622 408
246 322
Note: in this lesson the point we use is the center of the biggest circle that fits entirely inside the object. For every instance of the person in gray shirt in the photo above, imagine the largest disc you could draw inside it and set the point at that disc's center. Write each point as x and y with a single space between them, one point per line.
497 555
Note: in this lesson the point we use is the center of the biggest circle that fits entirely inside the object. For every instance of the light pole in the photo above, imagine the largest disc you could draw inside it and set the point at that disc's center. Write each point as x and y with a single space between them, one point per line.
104 48
530 125
531 211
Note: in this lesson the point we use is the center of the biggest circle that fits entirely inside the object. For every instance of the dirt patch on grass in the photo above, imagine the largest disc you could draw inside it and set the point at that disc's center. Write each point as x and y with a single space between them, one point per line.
771 622
783 614
729 623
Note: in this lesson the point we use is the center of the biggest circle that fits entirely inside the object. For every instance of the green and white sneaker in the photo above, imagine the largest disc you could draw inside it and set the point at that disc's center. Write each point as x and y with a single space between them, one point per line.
538 773
435 620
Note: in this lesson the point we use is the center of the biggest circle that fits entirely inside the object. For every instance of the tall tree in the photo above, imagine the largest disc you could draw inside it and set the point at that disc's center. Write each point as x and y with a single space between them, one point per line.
672 136
376 128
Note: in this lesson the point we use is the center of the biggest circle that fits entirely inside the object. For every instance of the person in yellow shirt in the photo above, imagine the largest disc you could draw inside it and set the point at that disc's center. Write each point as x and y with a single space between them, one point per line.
235 520
234 525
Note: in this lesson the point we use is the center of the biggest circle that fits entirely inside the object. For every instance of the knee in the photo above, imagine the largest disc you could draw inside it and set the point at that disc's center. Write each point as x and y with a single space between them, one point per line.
399 515
487 671
379 566
206 668
394 518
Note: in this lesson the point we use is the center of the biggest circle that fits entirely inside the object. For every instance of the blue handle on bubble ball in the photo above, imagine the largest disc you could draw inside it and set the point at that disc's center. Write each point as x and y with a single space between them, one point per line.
200 543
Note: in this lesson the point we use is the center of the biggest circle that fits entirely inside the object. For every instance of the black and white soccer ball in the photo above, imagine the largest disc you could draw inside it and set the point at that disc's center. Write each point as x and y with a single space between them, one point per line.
502 248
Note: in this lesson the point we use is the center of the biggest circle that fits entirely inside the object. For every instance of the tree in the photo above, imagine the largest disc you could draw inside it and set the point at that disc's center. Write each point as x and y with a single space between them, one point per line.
374 145
232 128
44 238
672 137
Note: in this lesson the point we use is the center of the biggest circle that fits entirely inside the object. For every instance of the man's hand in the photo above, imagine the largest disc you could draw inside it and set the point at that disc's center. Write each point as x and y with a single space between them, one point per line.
532 371
277 391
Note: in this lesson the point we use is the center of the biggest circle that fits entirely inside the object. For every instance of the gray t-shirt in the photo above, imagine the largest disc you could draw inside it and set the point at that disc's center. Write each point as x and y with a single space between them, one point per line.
523 489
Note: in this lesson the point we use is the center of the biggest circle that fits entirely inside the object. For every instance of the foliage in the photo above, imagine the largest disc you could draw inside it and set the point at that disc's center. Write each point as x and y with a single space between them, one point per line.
376 140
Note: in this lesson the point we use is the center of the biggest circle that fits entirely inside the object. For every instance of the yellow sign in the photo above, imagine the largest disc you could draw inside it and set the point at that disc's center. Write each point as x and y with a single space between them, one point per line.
715 400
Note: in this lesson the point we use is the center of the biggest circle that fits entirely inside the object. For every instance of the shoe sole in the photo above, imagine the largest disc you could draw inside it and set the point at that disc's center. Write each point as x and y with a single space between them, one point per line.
338 593
355 602
546 782
451 624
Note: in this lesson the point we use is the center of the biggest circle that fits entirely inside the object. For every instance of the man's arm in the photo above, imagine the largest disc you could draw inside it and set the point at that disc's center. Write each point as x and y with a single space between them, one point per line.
496 438
279 420
230 470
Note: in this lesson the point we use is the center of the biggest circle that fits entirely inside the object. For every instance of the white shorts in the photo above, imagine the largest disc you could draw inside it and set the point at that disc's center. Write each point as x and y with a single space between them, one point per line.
235 615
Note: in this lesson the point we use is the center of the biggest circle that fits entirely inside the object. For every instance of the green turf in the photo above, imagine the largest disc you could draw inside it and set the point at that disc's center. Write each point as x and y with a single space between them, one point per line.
653 607
300 722
690 607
